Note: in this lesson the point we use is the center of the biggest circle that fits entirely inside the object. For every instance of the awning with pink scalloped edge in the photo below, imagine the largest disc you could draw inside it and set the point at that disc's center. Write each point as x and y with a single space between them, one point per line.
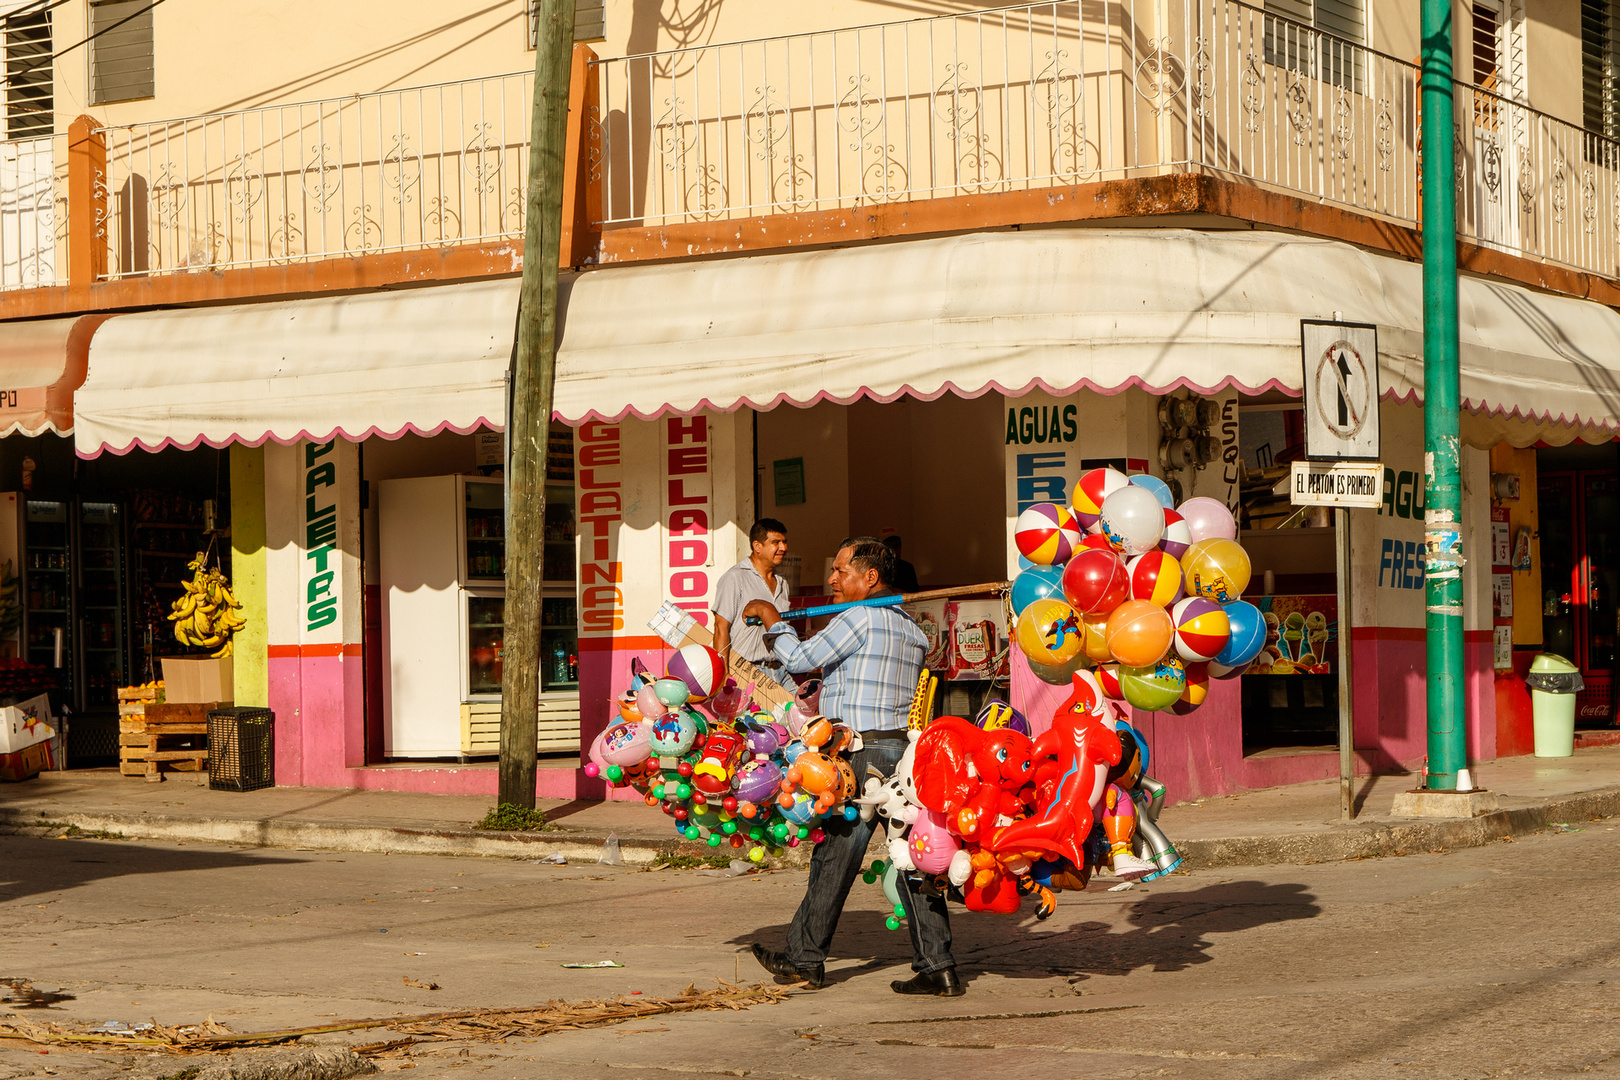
1054 309
1063 310
41 365
383 363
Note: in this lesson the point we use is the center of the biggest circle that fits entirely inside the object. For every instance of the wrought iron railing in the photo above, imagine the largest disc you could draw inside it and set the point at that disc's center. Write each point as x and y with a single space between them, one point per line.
427 167
33 218
1053 94
1024 98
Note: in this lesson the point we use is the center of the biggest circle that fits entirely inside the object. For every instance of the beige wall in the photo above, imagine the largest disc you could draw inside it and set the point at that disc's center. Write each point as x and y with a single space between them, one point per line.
1553 46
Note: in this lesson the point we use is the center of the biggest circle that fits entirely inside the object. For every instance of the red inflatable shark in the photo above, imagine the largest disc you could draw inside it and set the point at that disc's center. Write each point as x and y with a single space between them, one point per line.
1073 758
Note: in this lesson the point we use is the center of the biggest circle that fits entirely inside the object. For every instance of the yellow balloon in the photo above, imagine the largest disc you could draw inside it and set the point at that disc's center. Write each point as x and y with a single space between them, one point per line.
1217 569
1049 632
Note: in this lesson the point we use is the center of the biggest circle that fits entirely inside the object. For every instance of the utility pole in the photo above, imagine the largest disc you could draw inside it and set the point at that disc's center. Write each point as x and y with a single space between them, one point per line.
528 428
1442 519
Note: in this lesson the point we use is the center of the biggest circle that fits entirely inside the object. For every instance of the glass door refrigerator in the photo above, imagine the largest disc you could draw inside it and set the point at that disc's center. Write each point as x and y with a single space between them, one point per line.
483 566
1580 577
73 593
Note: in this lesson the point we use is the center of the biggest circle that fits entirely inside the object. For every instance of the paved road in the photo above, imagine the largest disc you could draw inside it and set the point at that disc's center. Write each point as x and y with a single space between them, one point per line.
1500 961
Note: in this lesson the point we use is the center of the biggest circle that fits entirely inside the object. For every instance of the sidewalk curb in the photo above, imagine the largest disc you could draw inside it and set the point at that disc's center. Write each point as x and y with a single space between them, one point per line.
1329 844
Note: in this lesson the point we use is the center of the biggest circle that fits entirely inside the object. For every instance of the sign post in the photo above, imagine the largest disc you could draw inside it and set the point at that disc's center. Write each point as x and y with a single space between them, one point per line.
1342 470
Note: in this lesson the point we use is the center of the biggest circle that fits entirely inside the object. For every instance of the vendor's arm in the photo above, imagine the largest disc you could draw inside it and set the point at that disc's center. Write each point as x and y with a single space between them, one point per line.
765 613
841 639
722 634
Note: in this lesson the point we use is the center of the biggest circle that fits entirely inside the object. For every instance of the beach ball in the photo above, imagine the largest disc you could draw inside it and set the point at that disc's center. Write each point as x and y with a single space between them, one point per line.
1201 628
671 693
1094 630
1177 536
1154 687
1208 518
1155 577
1094 582
1160 489
1139 633
1108 678
1046 534
1216 569
1196 691
997 715
1090 492
700 668
1049 632
1095 540
1247 635
1132 520
1058 674
1036 583
673 733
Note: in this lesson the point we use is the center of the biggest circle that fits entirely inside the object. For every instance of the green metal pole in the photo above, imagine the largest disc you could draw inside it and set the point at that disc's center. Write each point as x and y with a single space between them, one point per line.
1442 577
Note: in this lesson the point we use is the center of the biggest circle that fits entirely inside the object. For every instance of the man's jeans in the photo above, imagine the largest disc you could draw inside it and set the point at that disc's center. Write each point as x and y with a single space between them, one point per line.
837 862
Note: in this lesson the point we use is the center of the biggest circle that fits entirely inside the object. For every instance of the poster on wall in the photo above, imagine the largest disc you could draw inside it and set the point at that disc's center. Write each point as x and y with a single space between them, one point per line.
1502 642
1302 635
1502 595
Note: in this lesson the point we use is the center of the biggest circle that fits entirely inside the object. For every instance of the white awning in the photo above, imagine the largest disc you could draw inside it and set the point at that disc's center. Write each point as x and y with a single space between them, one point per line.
1063 310
383 363
41 365
1054 309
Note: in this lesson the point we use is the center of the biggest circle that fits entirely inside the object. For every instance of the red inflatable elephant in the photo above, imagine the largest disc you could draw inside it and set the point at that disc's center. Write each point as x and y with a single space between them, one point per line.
970 798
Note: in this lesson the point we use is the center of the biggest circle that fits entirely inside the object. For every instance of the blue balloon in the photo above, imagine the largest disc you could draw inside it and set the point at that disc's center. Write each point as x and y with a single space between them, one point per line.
1160 489
1036 583
1248 634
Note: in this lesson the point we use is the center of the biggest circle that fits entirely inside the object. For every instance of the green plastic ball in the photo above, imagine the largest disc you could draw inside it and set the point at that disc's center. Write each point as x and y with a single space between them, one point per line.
756 833
658 791
684 791
615 773
892 923
869 877
900 910
714 839
728 827
804 832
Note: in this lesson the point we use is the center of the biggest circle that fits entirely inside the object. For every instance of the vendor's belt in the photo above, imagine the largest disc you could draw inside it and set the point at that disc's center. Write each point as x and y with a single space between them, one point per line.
884 735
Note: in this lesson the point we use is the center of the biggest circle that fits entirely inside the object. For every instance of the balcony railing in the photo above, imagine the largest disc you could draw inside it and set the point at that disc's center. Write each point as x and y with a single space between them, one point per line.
400 170
1014 99
33 226
1054 94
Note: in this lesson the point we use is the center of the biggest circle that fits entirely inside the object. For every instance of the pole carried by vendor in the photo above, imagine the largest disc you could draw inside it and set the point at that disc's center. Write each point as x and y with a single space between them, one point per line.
895 599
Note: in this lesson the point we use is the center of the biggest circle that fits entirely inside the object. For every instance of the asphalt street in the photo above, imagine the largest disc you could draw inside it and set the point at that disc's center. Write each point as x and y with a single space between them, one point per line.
1487 962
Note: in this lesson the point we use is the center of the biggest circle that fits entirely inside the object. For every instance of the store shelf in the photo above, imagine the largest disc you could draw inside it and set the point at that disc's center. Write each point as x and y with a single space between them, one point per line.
168 525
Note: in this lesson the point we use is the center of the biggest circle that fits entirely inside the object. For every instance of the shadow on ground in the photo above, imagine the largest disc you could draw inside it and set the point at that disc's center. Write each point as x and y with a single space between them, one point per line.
32 865
1170 931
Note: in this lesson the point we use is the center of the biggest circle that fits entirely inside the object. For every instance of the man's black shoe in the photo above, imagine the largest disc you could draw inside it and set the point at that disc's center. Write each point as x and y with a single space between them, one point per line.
935 983
786 971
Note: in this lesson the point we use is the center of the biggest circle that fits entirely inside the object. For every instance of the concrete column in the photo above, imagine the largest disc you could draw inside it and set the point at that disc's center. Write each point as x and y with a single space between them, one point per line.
252 642
315 669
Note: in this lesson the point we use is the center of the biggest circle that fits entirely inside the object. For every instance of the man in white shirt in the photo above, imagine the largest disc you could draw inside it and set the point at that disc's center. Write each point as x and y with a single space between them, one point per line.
755 578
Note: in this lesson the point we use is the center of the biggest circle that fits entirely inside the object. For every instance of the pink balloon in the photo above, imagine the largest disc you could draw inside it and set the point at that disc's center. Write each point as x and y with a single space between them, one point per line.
647 701
1208 517
931 843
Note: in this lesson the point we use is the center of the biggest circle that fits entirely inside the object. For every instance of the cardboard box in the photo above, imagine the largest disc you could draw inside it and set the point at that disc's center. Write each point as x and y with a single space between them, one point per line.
27 763
26 723
188 681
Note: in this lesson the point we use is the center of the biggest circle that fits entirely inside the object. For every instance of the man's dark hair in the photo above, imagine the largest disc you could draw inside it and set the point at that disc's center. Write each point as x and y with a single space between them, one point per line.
870 553
763 528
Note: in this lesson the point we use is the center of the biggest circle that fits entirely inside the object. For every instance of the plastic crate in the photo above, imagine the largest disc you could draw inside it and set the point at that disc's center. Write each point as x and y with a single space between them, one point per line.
241 749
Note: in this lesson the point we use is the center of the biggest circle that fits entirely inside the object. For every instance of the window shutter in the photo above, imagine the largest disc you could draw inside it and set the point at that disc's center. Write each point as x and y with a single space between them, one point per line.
1600 66
29 105
121 51
590 20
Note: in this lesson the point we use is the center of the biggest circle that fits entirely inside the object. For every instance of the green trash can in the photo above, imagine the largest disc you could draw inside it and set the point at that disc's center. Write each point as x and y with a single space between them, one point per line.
1554 682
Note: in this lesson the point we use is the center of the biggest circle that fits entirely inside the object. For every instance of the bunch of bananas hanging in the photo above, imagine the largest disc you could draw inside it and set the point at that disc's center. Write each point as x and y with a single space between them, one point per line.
205 615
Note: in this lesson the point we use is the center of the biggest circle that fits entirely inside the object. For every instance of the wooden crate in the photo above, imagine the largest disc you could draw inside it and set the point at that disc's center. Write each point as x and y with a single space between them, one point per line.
163 738
558 729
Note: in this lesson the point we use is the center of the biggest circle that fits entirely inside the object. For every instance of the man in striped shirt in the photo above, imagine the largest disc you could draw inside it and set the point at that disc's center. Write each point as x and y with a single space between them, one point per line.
870 659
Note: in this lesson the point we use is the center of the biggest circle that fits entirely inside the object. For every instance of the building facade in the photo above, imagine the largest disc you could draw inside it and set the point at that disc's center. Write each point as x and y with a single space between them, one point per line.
258 290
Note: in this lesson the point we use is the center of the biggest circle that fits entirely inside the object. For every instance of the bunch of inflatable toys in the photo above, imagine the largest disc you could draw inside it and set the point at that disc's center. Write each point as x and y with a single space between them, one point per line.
1126 599
755 780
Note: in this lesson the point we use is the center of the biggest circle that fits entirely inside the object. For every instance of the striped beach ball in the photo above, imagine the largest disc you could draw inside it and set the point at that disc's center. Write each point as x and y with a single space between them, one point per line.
1202 628
1108 678
1177 536
1196 691
1091 490
1156 578
1046 534
700 668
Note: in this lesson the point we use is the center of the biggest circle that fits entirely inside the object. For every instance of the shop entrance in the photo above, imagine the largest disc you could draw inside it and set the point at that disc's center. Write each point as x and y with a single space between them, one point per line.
1580 559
